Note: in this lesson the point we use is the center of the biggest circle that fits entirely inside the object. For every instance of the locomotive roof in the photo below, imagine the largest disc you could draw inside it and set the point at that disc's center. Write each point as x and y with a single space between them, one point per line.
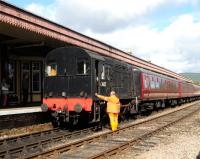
104 58
90 53
95 55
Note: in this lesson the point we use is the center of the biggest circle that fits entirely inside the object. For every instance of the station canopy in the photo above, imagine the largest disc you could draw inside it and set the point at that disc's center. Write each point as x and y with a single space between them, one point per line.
22 30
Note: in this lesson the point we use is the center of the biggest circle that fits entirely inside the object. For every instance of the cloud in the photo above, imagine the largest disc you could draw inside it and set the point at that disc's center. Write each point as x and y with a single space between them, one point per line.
100 15
107 15
125 25
47 12
176 47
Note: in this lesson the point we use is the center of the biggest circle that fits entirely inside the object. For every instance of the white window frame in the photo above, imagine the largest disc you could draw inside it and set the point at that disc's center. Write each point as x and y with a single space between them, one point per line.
39 72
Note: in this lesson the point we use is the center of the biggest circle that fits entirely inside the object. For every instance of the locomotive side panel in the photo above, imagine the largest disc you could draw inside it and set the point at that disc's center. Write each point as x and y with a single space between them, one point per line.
114 75
122 81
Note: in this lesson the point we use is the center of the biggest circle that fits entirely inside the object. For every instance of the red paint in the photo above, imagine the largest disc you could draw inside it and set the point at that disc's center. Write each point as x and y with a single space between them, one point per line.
59 103
180 88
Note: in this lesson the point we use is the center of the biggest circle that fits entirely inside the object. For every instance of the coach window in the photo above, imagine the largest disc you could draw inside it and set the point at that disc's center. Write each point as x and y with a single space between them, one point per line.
168 84
157 83
51 69
161 84
148 82
176 85
82 67
152 83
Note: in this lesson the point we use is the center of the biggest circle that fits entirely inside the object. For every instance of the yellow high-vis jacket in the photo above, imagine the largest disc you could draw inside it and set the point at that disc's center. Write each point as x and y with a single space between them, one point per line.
113 104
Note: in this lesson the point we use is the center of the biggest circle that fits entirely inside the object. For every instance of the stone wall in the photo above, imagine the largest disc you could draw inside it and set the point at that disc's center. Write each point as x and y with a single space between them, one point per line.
20 120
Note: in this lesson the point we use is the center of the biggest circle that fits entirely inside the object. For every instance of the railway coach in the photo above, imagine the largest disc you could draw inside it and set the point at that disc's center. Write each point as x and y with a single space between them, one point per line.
73 75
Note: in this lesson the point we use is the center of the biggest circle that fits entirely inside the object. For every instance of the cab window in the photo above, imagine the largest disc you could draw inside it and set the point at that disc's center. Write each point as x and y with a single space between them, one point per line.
103 73
83 67
107 73
51 69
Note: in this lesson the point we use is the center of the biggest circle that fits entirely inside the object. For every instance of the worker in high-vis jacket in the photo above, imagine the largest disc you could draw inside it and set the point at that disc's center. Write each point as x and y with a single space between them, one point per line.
113 108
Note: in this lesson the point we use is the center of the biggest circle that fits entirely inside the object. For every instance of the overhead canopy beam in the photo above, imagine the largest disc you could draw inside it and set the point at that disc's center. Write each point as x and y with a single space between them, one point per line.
30 45
13 41
22 19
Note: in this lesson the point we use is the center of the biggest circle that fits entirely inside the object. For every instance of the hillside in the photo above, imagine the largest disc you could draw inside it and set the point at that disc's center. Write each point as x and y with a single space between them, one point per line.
194 76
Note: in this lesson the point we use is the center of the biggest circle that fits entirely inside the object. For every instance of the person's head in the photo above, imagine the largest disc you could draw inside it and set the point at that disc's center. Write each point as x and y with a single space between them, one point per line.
112 93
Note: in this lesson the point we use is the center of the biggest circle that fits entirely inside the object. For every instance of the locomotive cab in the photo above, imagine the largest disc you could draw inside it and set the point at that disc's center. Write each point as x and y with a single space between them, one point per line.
67 74
68 85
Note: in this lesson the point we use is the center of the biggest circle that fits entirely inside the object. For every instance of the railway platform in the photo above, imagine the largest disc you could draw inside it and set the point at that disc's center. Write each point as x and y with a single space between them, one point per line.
20 110
18 116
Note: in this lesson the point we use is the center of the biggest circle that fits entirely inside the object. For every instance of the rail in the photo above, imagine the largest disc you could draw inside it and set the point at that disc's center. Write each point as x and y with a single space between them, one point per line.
108 143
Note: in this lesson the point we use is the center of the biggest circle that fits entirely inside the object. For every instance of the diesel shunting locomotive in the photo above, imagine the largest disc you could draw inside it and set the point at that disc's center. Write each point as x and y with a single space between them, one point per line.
73 75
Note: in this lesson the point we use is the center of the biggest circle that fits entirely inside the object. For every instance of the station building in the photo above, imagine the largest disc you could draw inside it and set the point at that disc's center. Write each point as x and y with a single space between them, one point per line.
26 38
22 57
22 53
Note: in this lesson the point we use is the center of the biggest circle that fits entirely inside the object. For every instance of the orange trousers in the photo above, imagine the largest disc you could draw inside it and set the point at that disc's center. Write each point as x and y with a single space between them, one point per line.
113 121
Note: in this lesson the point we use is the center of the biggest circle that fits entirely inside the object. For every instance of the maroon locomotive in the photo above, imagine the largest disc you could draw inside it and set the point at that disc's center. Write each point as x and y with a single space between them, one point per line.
74 75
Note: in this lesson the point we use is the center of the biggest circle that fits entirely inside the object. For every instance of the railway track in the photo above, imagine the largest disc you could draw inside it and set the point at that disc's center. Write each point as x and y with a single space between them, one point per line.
25 145
40 143
105 144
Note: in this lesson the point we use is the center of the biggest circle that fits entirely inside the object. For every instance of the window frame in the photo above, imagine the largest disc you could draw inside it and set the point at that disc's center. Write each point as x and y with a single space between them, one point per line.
39 72
86 66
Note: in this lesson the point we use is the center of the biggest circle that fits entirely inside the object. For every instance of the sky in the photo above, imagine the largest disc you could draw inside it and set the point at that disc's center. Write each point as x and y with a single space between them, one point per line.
164 32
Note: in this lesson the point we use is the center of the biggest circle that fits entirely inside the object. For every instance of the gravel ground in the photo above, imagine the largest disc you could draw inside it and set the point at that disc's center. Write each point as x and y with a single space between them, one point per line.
180 141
